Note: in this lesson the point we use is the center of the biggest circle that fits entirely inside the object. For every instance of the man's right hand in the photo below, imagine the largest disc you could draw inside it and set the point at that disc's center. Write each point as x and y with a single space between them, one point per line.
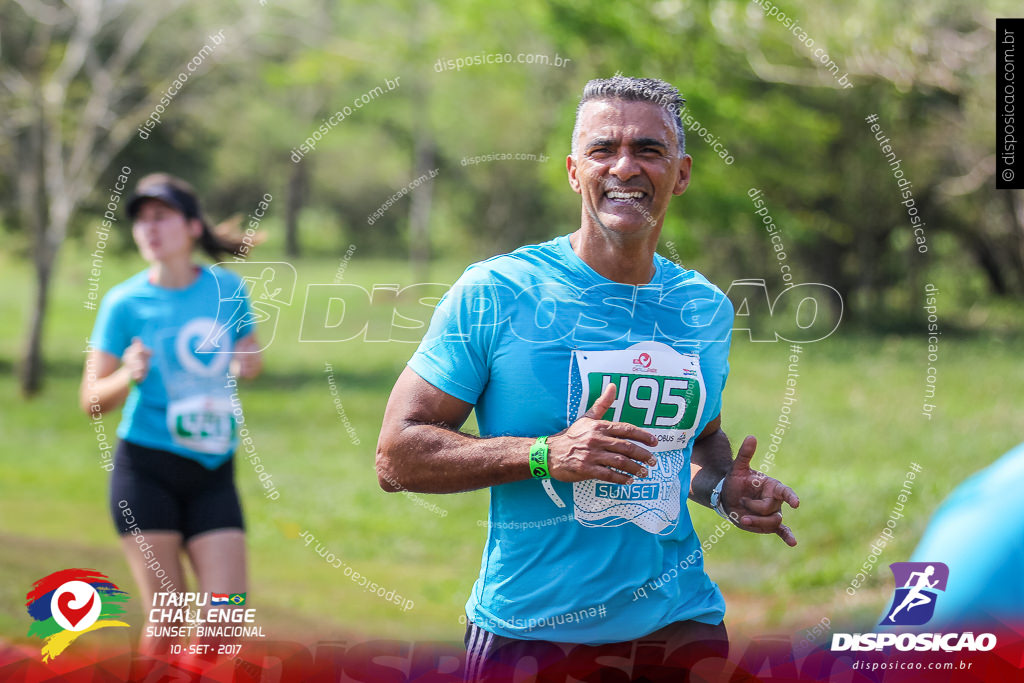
136 360
591 447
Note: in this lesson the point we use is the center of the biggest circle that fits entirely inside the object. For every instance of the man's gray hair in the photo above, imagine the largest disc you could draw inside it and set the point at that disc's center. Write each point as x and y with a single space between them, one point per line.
620 87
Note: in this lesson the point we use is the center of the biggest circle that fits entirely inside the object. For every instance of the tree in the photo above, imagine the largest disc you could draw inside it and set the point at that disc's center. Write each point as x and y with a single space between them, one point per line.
70 82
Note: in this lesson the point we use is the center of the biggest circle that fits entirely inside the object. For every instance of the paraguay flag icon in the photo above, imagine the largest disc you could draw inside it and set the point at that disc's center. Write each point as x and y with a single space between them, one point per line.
66 604
918 585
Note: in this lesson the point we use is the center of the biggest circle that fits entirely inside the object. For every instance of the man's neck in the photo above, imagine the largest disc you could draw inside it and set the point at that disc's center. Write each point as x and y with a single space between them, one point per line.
630 262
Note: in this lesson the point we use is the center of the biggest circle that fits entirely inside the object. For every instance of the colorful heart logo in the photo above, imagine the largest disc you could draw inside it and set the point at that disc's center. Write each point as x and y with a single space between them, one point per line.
75 605
72 614
68 603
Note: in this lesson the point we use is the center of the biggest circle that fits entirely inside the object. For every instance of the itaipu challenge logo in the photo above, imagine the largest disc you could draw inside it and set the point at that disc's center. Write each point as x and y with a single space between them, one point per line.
67 604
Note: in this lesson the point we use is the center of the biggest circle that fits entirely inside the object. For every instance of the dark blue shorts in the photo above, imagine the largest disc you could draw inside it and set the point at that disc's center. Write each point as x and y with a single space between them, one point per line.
157 490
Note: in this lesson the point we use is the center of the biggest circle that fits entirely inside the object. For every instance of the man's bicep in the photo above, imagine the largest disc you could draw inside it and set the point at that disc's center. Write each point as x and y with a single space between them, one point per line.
414 400
711 427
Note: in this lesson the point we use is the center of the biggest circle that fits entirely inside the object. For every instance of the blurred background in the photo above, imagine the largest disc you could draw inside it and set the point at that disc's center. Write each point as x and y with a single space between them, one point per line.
79 81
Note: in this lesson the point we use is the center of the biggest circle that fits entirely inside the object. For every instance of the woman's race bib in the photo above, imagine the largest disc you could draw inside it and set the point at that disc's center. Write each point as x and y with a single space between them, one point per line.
202 423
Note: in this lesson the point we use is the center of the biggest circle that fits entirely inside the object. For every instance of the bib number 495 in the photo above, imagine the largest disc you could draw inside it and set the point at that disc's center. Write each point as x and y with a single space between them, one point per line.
648 400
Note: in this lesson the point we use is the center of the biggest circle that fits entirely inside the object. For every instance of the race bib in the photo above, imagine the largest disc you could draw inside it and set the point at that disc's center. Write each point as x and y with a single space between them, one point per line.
202 423
660 390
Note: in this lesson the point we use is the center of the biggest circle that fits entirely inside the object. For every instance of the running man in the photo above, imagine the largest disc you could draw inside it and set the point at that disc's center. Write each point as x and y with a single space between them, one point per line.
915 597
596 369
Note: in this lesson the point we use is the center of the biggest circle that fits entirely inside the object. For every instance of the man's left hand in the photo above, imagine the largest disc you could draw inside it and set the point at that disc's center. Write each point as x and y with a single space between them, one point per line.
754 500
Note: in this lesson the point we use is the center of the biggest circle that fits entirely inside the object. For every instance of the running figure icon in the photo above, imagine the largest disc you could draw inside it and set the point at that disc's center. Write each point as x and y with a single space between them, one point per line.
914 597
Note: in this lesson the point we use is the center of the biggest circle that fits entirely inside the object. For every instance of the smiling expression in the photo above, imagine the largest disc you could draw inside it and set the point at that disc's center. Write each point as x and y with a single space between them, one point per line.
627 167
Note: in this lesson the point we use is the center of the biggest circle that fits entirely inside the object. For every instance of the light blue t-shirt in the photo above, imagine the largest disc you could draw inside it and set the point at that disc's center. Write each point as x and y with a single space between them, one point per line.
184 404
531 338
978 534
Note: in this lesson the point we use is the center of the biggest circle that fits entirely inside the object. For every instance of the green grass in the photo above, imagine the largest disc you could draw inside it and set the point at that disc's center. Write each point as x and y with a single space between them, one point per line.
856 428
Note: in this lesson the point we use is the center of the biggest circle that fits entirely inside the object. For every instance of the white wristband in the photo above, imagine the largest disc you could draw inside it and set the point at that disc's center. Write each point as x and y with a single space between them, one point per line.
716 499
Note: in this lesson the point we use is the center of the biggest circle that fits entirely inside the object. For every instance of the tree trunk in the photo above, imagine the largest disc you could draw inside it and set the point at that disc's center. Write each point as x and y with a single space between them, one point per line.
1015 252
33 211
422 196
916 266
298 182
419 209
989 263
32 362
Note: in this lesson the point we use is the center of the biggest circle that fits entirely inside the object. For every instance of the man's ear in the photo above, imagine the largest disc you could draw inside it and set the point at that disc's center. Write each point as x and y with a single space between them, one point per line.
571 168
683 181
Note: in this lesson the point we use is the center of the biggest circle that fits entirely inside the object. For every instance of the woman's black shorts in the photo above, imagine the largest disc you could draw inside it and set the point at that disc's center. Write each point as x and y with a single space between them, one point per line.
158 490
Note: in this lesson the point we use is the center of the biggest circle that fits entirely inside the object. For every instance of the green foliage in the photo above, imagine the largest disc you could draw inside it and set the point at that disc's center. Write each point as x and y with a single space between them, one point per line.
755 84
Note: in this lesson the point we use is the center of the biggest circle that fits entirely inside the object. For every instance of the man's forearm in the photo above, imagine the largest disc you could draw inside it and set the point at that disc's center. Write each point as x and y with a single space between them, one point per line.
710 461
427 458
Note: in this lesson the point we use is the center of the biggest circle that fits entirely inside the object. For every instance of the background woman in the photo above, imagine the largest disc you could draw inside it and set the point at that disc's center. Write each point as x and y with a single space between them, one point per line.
164 343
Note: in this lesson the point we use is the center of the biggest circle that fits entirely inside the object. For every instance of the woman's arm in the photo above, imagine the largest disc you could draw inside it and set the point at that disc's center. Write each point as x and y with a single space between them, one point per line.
248 360
106 379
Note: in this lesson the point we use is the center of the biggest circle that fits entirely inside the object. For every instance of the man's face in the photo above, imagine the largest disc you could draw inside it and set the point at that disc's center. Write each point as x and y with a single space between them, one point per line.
627 165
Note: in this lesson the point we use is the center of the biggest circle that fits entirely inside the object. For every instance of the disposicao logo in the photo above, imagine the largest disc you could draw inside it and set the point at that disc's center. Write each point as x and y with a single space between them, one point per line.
913 603
918 589
69 603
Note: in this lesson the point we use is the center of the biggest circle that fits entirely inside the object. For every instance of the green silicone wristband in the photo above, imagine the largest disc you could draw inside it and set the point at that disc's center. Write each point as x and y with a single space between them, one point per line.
539 459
